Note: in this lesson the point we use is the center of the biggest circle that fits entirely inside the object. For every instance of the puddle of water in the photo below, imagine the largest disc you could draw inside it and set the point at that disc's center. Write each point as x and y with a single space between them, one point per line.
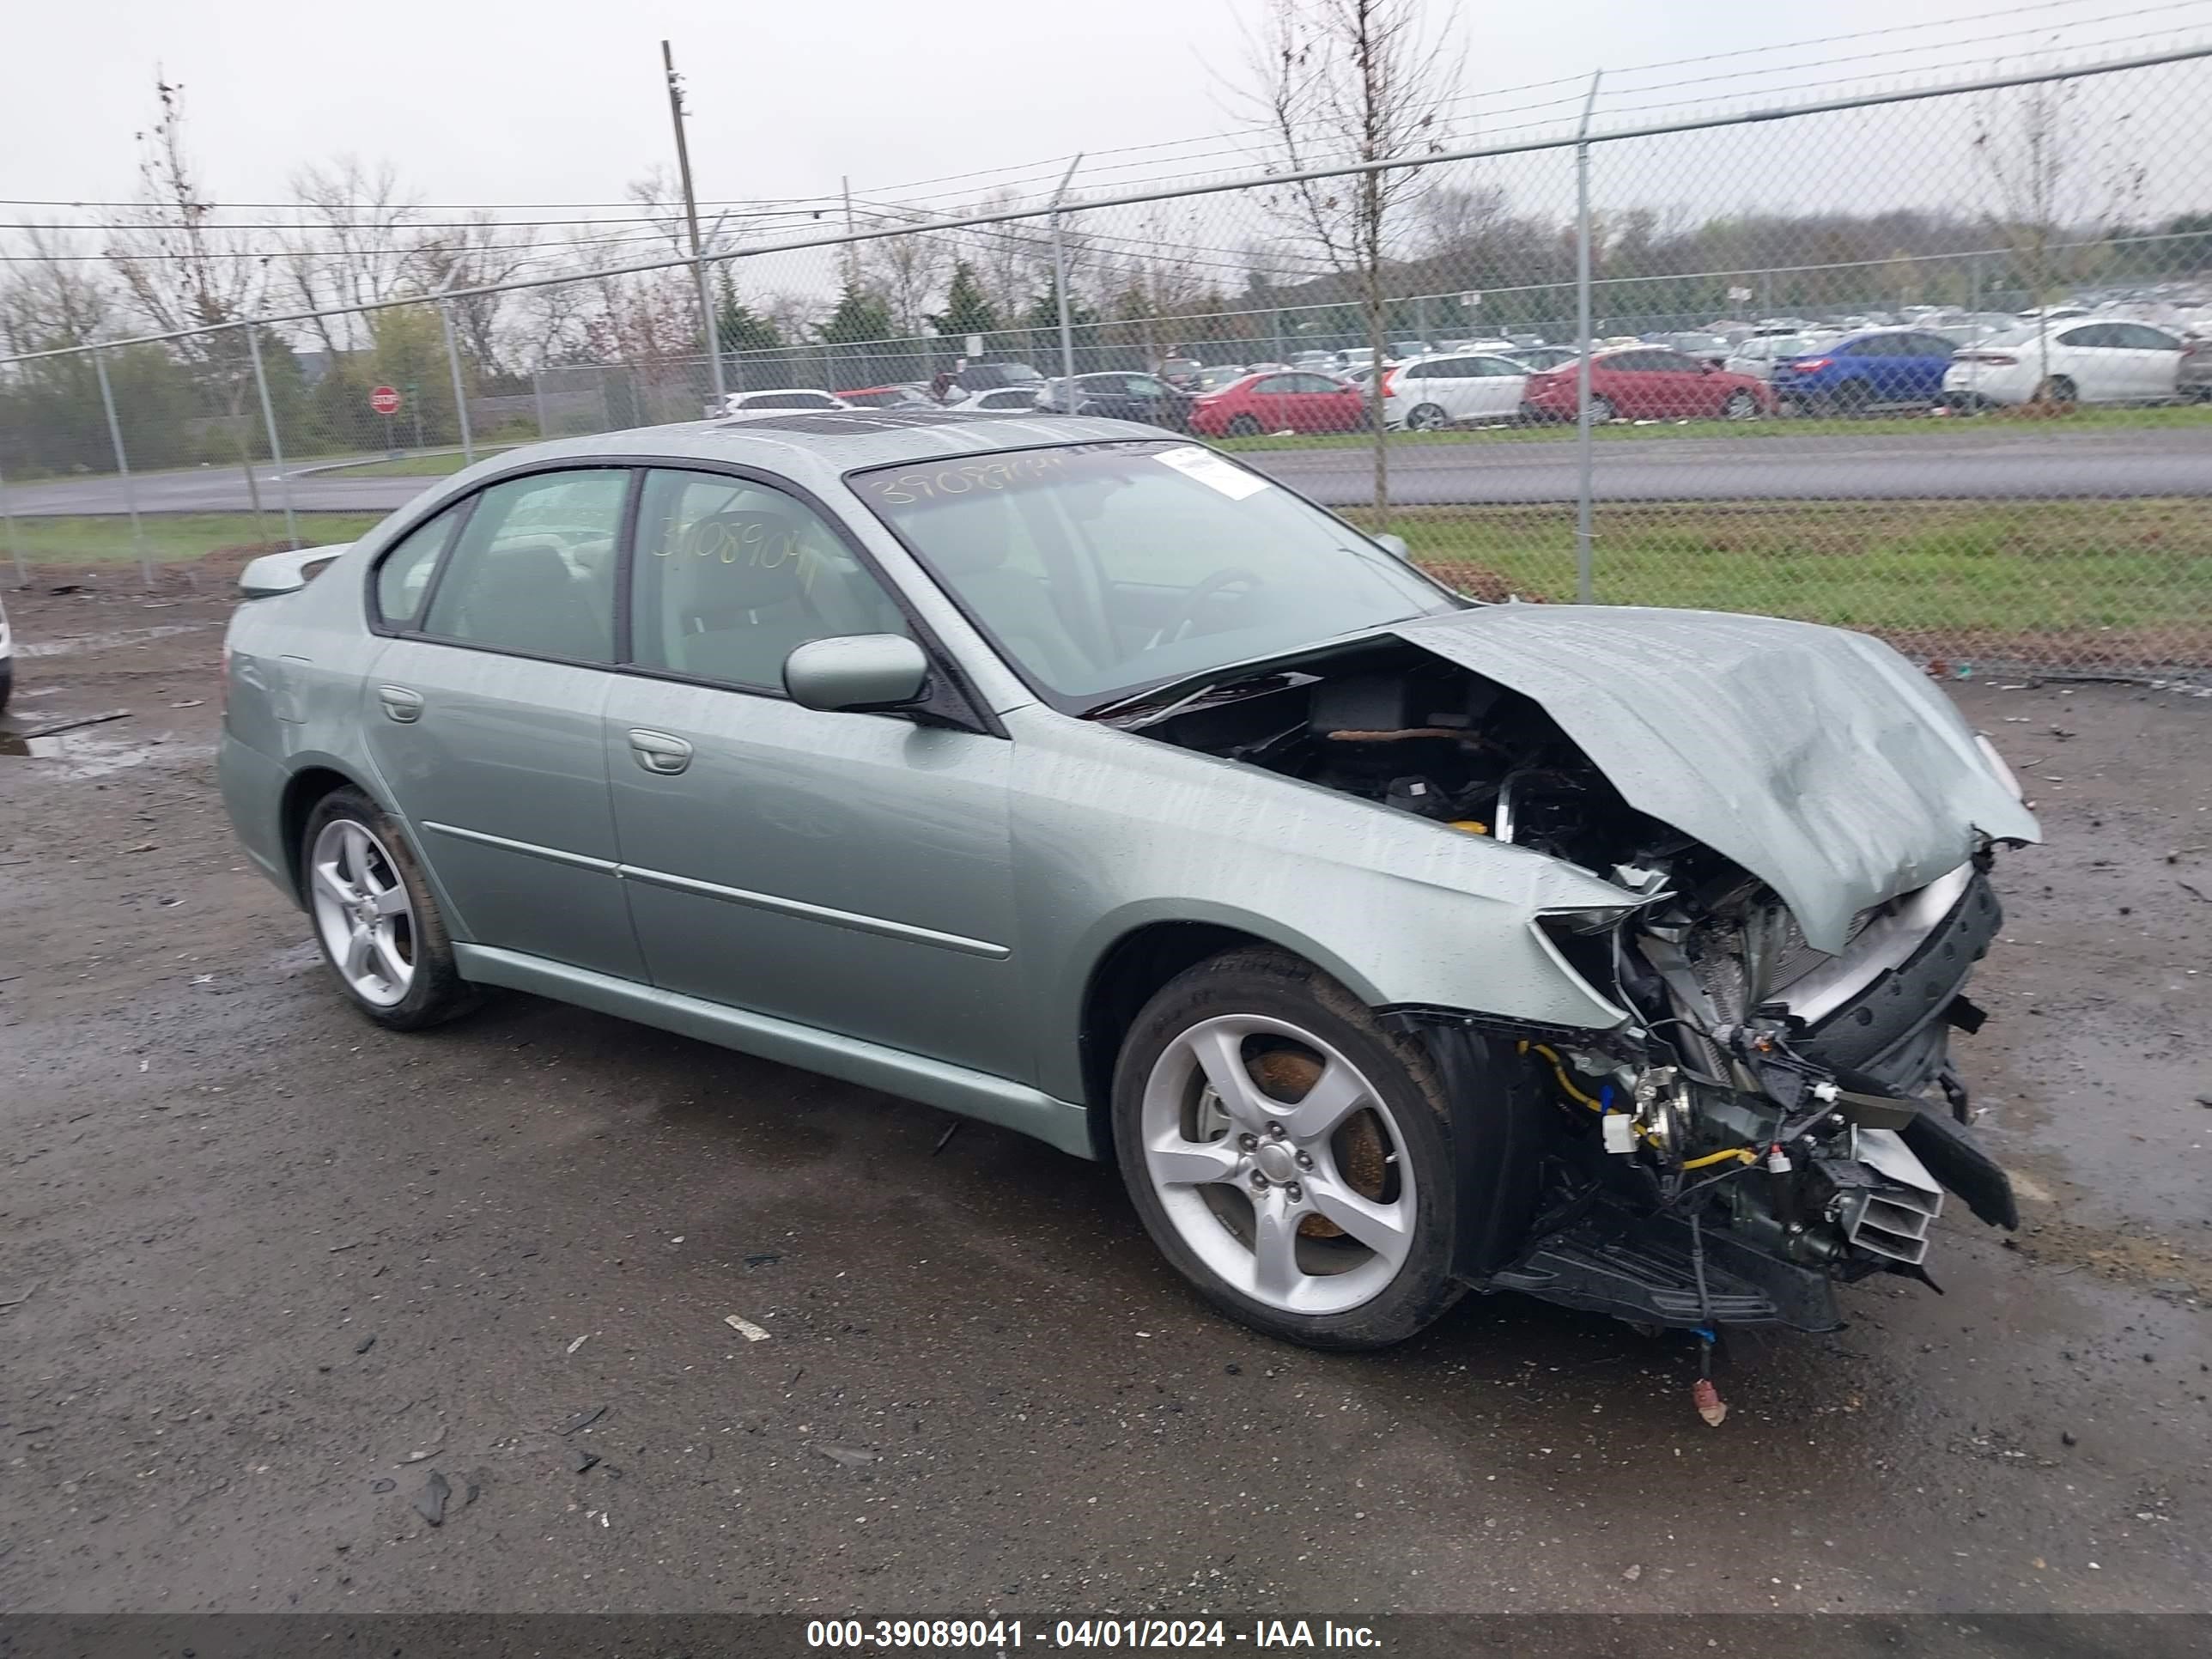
102 641
89 755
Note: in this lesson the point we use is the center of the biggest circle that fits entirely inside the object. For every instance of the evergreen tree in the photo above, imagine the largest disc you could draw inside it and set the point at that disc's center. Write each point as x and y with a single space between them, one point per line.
966 309
860 318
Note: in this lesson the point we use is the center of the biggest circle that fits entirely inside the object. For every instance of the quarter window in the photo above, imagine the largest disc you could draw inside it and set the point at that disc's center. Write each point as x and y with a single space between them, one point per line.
533 570
403 576
729 577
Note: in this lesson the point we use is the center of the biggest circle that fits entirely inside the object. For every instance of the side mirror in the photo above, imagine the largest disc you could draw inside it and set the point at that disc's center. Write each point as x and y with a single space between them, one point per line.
855 672
1396 546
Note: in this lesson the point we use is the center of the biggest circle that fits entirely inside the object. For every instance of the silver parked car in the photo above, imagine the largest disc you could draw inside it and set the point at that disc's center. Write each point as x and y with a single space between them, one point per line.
1081 779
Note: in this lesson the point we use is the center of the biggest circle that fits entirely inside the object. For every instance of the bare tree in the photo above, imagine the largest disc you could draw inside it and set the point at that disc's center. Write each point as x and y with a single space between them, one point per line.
48 300
475 254
2051 184
1362 80
906 269
357 252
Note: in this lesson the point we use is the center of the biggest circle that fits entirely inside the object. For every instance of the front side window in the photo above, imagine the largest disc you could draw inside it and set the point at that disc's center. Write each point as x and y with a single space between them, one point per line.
730 576
1100 569
533 570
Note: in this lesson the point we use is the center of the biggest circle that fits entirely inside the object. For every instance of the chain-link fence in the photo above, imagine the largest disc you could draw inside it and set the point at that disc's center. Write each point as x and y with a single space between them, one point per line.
1933 364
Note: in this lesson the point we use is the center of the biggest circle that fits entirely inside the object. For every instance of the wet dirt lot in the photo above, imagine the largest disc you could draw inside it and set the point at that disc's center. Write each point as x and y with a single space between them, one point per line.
269 1269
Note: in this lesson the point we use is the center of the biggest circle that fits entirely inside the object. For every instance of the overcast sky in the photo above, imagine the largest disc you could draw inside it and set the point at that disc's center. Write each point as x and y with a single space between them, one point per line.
560 100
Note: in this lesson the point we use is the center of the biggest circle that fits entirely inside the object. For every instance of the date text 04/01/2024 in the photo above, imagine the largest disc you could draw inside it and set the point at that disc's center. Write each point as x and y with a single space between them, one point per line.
1284 1635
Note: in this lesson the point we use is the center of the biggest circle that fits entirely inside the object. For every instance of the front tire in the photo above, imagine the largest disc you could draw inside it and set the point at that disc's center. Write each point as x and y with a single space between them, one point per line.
1601 411
1741 406
1289 1156
1426 417
377 926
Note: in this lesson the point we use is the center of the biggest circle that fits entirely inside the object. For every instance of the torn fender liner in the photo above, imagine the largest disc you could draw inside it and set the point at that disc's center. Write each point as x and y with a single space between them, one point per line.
1819 760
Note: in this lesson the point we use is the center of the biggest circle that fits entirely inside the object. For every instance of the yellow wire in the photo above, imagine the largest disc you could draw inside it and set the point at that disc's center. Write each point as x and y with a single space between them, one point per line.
1560 1071
1743 1152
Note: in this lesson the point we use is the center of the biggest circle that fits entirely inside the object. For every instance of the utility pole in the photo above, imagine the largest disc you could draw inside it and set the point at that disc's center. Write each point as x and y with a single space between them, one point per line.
1060 289
691 219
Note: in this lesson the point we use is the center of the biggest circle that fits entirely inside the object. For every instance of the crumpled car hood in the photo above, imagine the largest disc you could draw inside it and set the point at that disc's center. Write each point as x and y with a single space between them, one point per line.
1822 761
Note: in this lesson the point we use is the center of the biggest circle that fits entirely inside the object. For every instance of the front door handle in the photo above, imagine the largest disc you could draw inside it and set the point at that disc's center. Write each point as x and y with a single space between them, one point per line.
657 751
400 703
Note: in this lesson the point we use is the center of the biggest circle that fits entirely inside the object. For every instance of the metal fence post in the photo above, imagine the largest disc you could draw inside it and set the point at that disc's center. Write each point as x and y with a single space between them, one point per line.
7 529
123 467
1060 285
538 399
460 397
276 443
1585 575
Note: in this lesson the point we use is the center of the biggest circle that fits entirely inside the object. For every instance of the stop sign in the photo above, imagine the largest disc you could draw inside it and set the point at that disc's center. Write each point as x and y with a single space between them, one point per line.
385 399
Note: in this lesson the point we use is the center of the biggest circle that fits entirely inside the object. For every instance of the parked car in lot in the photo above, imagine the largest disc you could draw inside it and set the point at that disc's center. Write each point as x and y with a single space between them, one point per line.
1318 362
905 395
1430 393
1121 397
1878 368
748 405
989 377
1291 401
1078 779
2193 380
1644 382
1180 372
2092 360
1214 376
7 659
1535 359
1756 355
998 399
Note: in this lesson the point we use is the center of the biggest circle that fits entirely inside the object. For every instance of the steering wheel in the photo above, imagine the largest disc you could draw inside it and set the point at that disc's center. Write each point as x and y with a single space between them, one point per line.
1219 582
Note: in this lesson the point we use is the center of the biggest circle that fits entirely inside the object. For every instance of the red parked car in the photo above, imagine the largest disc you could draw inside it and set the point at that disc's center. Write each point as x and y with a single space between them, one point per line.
1286 401
1646 382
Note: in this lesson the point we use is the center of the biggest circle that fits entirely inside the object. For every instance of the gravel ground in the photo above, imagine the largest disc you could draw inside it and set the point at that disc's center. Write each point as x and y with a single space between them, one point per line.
272 1272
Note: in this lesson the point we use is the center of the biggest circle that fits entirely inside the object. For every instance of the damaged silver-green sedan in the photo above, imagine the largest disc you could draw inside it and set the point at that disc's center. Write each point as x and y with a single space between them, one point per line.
1084 781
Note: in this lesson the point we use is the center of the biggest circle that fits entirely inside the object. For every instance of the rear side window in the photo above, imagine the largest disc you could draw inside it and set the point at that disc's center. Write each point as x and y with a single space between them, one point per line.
533 571
403 576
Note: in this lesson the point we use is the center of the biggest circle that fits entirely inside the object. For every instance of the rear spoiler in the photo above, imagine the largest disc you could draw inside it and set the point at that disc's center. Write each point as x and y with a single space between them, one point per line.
273 574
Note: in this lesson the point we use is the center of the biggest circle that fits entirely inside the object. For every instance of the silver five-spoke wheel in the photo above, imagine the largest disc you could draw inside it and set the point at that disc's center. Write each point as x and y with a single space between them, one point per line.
1278 1165
363 911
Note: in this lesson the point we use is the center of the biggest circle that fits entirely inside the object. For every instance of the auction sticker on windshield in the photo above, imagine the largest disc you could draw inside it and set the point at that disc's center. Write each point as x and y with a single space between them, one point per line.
1210 470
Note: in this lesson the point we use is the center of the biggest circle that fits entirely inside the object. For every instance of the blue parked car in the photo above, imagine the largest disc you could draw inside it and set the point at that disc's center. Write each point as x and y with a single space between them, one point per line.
1881 366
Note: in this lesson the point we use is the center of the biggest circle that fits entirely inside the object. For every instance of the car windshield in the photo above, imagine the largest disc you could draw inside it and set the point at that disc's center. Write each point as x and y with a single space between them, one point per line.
1100 570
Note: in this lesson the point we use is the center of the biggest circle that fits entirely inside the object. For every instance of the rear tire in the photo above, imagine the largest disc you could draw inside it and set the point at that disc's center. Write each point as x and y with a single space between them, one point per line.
374 919
2059 390
1243 1190
1244 426
1852 398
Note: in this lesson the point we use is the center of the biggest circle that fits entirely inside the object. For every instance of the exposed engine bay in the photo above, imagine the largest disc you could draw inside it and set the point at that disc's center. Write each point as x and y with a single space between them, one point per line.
1769 1118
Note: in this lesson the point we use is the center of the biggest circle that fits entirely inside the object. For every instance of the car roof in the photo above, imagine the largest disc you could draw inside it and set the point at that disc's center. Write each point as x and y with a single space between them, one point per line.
814 447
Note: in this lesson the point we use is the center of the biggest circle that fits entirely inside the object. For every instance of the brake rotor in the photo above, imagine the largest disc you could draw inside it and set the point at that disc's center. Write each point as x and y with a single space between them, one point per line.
1363 1159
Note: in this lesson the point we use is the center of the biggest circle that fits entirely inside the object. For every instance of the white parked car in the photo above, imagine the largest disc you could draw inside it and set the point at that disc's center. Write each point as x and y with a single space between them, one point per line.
1758 355
742 405
2086 361
1430 393
7 659
999 398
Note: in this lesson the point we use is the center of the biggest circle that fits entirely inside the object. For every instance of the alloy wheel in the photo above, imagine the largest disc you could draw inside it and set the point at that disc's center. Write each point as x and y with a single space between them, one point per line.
363 912
1279 1164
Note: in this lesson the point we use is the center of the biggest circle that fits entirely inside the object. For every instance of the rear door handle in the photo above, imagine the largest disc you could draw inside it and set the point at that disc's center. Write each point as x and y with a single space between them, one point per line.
657 751
400 703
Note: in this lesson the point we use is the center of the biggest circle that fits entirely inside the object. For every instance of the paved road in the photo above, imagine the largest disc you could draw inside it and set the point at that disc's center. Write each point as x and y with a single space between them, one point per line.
1943 464
276 1267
